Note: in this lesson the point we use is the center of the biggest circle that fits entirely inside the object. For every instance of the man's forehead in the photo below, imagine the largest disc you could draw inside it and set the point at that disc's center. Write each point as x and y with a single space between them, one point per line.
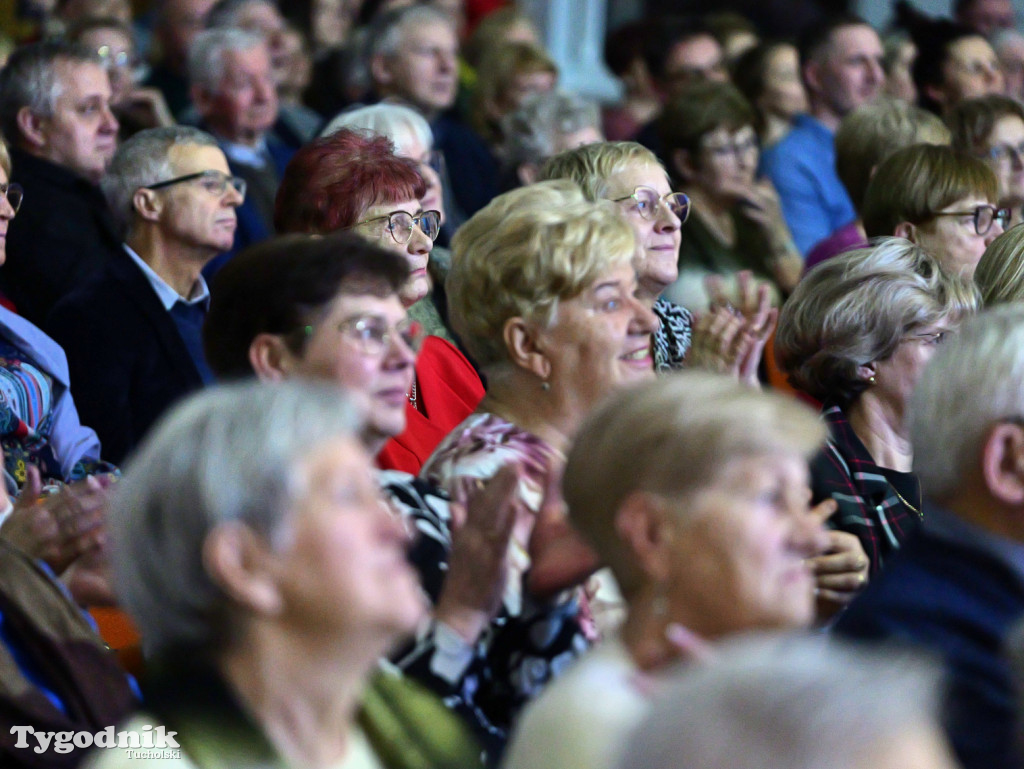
434 32
850 37
81 77
245 60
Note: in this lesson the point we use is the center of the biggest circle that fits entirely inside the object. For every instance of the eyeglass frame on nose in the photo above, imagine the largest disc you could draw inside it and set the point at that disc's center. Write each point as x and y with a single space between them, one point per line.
415 224
1002 215
410 331
662 200
7 189
236 182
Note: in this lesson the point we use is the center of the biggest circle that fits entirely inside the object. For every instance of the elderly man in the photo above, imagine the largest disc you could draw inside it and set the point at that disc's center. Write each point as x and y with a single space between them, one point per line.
841 63
132 333
296 124
413 60
957 590
55 111
233 90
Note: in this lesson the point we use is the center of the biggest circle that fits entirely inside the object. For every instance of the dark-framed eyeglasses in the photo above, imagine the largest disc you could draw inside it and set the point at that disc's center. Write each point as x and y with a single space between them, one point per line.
984 217
372 334
647 201
14 194
214 182
401 223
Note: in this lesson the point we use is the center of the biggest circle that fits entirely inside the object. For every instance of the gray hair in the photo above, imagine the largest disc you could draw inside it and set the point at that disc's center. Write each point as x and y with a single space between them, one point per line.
856 307
206 54
142 160
975 380
227 454
787 703
385 38
639 438
29 79
532 132
395 121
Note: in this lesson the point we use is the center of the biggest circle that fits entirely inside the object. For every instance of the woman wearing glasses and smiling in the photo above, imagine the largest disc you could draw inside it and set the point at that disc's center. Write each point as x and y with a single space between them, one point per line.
354 181
709 136
944 200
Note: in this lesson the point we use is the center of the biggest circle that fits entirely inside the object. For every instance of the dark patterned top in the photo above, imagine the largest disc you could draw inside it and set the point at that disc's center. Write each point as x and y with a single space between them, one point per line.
486 683
672 339
877 505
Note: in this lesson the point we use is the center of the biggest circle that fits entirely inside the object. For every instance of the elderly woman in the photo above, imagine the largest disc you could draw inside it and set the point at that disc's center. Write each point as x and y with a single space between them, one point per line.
768 75
43 443
943 200
352 180
708 132
546 124
630 175
992 128
856 335
267 577
328 309
1000 274
413 139
701 555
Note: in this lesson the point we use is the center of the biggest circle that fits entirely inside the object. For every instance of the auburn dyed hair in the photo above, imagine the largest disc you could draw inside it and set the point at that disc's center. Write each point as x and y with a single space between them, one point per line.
331 182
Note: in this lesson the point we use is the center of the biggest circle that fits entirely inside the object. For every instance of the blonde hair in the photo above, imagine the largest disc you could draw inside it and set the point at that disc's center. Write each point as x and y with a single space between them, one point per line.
5 158
1000 273
915 183
872 132
592 165
856 308
669 437
522 253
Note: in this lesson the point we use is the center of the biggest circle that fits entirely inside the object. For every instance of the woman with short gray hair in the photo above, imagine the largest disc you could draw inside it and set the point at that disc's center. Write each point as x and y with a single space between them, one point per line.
267 577
855 335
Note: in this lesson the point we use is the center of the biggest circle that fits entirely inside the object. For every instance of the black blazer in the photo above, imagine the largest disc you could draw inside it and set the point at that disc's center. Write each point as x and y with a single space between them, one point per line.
127 359
61 236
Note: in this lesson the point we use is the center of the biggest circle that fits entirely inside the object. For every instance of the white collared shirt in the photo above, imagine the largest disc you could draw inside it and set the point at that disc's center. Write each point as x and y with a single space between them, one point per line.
167 295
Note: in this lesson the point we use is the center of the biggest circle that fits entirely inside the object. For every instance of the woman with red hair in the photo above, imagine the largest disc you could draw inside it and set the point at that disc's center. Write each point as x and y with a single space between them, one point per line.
351 180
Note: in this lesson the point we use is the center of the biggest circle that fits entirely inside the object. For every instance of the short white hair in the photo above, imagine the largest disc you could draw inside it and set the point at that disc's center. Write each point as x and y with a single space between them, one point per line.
206 53
975 380
227 454
395 121
786 703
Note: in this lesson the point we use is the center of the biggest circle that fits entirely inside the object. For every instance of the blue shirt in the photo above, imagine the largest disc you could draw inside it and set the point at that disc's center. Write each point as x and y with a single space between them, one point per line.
803 169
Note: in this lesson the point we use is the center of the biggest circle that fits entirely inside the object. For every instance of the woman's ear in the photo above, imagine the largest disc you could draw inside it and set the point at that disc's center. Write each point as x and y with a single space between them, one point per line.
237 560
642 524
525 347
270 358
867 371
682 164
906 230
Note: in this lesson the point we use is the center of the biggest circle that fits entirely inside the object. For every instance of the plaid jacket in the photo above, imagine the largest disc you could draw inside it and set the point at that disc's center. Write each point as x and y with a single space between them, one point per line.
869 506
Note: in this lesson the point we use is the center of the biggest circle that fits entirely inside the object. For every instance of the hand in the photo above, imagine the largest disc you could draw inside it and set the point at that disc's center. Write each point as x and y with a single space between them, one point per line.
482 524
61 527
560 557
731 337
841 569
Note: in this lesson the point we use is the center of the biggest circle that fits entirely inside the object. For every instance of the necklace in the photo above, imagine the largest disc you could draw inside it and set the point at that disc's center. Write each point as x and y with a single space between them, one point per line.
412 395
918 512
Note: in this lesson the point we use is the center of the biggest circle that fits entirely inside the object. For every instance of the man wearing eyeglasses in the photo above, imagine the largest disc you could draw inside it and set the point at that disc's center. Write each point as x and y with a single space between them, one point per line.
62 138
132 332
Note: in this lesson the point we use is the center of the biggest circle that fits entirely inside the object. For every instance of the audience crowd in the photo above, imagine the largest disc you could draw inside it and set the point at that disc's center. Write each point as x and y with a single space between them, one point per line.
370 399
